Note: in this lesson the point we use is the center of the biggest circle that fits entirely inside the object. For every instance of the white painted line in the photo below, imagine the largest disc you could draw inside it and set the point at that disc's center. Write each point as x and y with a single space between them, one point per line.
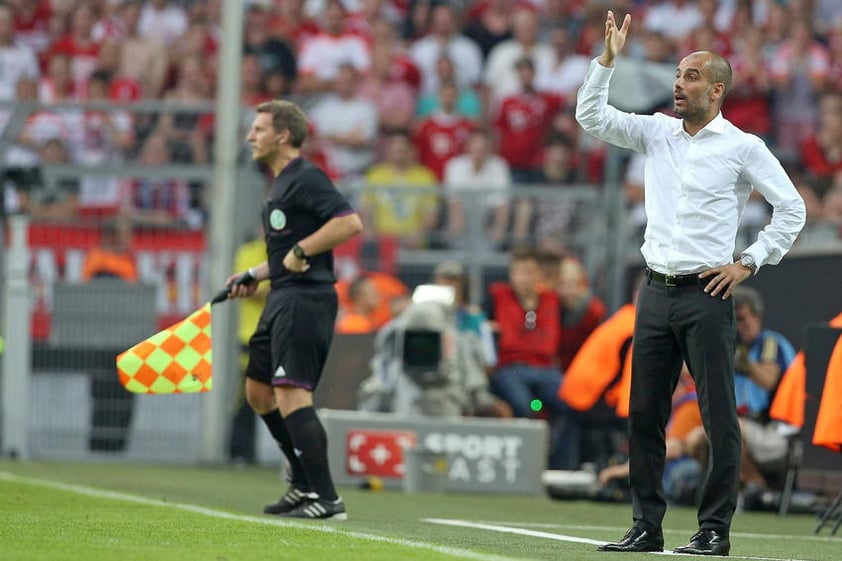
266 521
622 530
563 538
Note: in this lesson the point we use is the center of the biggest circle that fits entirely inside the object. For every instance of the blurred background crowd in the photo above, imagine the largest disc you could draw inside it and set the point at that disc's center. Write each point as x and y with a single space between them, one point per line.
453 97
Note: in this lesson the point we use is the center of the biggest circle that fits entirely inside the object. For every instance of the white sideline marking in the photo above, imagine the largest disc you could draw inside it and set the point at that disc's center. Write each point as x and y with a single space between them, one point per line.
266 521
621 529
560 537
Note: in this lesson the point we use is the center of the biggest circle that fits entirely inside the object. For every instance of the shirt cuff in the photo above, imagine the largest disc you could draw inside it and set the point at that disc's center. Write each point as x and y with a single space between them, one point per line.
600 74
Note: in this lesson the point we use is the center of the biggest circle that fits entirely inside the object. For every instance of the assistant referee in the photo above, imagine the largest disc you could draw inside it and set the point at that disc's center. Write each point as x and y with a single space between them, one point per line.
304 218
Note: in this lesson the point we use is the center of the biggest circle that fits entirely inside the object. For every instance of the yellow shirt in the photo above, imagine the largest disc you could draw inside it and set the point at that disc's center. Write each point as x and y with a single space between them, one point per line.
248 255
398 212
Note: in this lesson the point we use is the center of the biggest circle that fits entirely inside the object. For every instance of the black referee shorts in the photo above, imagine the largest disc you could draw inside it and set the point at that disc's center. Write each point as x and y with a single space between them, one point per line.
293 336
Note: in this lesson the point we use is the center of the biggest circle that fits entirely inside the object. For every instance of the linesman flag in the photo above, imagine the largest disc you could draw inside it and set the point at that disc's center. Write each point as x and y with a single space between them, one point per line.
177 359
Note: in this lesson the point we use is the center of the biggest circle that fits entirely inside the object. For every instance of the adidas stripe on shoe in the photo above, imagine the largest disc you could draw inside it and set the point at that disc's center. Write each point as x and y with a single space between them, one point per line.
317 509
292 499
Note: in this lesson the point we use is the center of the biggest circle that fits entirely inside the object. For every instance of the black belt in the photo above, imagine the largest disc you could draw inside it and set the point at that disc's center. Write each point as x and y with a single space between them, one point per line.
674 280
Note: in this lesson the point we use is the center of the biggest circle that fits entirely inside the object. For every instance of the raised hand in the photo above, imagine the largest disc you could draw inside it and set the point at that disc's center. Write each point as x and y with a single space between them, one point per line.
615 38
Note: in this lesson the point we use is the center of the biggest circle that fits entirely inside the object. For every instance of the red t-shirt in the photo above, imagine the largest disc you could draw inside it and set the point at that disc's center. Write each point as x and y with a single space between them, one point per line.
440 137
519 343
522 123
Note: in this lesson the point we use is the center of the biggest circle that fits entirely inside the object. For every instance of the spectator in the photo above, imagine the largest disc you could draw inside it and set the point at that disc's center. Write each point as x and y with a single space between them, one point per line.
501 75
363 299
16 60
548 218
673 18
748 104
799 70
113 257
160 202
182 128
273 54
31 23
821 153
384 33
399 197
162 20
57 85
290 23
565 71
79 46
347 125
444 134
58 202
322 57
142 58
394 99
481 176
469 318
489 23
522 122
444 39
526 318
122 89
468 103
252 92
581 311
762 356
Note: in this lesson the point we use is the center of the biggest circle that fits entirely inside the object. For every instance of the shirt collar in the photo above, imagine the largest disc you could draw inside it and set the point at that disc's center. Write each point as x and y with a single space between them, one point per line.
716 126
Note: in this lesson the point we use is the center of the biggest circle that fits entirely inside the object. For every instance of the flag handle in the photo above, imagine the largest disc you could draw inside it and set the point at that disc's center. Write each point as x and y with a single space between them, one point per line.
222 295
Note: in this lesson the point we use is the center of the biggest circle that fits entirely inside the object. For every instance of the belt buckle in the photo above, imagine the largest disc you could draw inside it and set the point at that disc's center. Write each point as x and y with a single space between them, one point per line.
670 280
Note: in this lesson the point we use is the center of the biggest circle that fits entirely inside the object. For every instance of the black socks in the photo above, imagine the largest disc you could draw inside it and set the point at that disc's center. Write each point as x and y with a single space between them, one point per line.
310 440
278 429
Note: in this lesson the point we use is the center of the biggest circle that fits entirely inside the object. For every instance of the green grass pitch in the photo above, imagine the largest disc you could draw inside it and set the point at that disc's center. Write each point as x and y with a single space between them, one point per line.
119 512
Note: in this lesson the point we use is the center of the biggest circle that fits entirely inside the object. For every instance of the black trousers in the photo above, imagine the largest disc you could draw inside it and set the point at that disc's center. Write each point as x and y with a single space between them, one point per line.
675 324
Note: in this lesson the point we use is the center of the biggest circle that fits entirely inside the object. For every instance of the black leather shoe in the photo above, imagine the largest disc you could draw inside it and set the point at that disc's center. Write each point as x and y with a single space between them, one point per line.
706 542
637 539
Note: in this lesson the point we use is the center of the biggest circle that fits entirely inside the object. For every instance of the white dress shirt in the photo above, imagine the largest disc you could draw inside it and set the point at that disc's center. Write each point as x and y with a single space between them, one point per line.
696 187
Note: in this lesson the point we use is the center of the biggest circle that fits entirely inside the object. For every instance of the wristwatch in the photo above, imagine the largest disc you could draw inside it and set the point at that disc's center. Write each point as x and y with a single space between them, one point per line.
747 261
298 251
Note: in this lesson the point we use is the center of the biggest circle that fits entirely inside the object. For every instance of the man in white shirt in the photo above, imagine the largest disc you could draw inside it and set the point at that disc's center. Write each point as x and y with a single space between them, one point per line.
443 39
700 171
484 177
346 123
16 60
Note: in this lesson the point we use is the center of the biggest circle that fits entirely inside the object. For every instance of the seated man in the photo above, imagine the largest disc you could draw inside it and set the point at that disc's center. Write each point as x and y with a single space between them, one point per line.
526 318
763 356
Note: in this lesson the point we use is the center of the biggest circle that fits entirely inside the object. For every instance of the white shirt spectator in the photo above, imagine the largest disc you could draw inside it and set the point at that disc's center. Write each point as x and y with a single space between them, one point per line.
323 54
562 78
500 73
16 61
466 57
490 182
335 116
166 24
673 19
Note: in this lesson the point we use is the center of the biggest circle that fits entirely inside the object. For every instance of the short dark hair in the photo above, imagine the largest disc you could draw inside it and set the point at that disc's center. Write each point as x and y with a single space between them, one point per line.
525 253
286 116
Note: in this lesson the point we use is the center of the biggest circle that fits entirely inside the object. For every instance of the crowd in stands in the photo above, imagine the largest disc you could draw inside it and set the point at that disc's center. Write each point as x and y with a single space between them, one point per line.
456 97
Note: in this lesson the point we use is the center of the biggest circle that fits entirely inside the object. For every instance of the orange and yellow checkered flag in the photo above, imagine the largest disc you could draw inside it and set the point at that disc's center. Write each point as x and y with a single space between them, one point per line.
175 360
